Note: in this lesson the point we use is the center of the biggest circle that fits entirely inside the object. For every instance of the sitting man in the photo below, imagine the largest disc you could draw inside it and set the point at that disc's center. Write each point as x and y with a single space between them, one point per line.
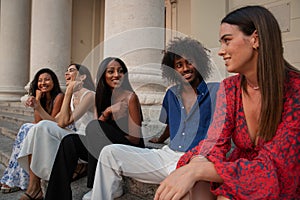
187 111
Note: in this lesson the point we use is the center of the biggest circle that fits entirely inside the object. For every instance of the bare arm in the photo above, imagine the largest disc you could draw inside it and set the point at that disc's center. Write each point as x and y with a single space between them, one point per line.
39 111
106 114
37 116
162 138
134 119
125 107
206 170
182 180
66 116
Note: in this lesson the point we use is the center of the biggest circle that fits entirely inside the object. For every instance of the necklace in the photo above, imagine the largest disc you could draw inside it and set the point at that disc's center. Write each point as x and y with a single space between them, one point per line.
252 86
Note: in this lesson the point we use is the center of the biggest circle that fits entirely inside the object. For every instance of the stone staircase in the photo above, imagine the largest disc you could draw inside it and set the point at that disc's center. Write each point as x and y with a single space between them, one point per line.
14 114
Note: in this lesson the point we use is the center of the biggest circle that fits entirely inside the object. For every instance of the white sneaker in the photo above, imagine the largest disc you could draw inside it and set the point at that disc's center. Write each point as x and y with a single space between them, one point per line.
87 196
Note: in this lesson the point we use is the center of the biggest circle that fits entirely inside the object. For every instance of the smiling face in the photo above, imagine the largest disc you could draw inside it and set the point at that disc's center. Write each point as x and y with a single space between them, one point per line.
114 74
238 49
45 83
187 70
71 74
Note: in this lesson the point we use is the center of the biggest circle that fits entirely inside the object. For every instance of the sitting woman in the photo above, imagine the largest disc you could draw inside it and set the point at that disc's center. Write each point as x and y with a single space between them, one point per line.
40 146
258 109
119 120
45 92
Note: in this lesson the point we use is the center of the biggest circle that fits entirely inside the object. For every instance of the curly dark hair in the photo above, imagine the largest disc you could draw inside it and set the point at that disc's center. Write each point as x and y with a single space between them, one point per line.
189 49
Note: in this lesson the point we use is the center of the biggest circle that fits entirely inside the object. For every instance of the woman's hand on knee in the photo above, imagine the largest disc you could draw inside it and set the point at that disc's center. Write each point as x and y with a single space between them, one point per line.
177 185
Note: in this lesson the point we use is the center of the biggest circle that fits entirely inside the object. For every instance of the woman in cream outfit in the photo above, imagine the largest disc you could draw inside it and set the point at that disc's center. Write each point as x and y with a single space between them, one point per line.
41 144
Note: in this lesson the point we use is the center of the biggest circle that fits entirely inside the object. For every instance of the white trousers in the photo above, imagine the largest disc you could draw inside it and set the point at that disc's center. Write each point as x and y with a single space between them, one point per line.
42 143
146 165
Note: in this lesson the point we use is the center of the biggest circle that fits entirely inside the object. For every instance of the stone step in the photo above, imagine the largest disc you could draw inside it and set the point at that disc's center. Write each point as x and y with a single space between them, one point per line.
79 187
9 129
11 118
15 108
6 144
17 119
141 190
8 132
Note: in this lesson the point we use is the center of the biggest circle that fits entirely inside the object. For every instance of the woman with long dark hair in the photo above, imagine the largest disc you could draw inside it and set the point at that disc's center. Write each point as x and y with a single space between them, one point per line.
45 91
119 120
40 146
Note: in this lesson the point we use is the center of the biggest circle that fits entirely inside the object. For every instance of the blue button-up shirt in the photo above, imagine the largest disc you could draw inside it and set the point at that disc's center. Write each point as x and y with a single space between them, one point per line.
188 129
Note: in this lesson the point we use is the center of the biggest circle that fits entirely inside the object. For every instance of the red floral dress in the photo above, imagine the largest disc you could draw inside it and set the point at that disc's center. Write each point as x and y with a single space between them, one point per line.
269 170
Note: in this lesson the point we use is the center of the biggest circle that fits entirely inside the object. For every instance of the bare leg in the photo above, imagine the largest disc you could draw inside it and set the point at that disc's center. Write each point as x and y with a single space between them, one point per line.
34 187
201 191
222 198
187 196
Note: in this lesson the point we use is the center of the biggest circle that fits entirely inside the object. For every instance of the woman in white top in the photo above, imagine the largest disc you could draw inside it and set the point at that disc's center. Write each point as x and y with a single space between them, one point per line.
41 144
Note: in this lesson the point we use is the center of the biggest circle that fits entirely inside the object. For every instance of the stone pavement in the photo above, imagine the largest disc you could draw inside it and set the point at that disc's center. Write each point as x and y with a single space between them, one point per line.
13 115
78 189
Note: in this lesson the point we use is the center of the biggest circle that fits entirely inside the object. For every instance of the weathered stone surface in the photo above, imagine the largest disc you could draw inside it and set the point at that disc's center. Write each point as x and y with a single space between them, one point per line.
10 123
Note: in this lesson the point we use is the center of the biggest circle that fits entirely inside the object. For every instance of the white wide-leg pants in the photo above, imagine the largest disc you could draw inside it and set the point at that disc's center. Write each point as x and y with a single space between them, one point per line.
145 165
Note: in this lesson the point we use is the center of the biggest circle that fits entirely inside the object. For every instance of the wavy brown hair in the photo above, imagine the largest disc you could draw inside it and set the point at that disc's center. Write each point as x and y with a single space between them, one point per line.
272 68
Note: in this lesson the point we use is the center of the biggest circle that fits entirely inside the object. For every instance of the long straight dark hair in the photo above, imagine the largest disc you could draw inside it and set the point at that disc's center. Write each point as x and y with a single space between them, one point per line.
103 91
272 68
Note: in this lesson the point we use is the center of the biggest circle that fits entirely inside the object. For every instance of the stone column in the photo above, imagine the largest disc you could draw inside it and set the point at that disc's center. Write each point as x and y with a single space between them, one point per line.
14 48
134 31
51 36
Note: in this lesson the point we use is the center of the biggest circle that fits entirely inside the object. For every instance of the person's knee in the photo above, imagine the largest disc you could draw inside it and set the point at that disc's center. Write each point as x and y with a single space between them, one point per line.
108 150
109 153
222 198
43 125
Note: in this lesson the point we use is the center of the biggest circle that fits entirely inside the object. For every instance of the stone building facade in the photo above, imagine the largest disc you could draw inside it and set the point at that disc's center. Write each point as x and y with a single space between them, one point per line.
55 33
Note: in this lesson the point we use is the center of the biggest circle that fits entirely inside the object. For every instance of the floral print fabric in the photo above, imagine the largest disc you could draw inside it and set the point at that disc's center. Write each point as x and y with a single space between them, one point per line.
14 175
269 170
